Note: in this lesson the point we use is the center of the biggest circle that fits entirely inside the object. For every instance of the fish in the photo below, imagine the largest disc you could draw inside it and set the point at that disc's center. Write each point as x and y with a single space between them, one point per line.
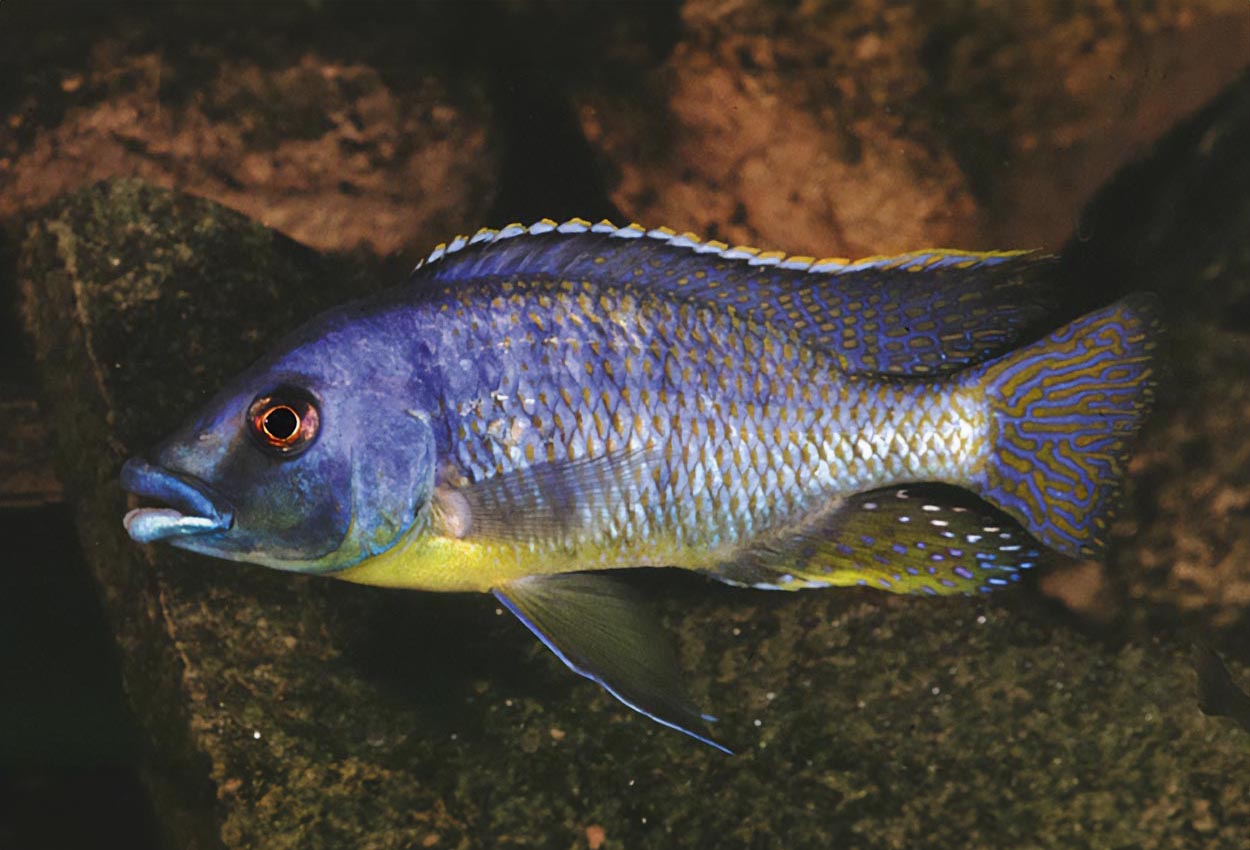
1218 694
540 407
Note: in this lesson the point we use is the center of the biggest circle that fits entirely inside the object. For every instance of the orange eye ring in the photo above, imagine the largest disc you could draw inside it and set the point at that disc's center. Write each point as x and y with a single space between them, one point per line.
283 423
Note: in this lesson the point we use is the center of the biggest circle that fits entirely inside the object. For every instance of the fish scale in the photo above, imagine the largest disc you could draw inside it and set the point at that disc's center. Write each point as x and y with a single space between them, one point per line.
721 438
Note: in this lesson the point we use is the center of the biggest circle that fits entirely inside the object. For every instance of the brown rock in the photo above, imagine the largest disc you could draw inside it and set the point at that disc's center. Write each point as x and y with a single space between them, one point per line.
326 149
1084 589
756 130
873 127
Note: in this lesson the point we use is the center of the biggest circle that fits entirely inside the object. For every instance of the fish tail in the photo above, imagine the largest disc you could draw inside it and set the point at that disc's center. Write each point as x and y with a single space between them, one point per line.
1063 415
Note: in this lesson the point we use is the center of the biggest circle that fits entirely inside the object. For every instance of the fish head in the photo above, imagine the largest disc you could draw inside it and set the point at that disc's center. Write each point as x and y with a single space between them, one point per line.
311 462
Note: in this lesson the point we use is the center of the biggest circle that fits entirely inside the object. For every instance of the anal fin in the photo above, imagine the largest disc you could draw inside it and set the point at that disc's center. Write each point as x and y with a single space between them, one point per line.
602 630
927 538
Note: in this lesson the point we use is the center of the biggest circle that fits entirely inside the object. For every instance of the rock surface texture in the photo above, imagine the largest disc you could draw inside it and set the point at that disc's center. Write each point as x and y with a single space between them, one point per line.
329 141
872 127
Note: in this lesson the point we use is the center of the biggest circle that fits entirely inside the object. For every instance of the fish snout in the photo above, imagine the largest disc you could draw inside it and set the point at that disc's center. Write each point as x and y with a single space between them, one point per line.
191 507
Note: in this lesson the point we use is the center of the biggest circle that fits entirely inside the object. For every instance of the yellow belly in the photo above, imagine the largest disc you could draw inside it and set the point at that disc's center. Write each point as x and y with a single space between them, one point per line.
426 560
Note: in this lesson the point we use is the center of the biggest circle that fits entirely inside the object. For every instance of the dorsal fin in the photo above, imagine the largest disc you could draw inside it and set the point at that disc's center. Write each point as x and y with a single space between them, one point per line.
921 313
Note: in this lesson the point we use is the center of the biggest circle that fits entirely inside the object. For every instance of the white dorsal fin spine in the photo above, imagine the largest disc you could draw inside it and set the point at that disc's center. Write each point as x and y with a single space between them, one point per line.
931 258
629 231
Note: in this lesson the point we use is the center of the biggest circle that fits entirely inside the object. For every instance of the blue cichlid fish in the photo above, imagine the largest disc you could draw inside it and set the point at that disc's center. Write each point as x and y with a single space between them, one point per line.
539 404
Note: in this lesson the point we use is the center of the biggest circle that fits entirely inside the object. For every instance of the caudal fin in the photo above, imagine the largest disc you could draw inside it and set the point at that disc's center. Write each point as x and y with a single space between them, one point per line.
1064 412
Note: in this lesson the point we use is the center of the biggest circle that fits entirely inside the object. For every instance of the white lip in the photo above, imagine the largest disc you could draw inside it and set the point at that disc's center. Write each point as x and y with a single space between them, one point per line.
145 525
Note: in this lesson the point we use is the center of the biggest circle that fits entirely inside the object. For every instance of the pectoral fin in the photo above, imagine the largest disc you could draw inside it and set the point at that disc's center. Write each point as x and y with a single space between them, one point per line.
602 630
548 501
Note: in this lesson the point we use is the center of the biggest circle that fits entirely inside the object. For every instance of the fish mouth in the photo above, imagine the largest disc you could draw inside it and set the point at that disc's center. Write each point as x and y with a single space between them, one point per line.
190 510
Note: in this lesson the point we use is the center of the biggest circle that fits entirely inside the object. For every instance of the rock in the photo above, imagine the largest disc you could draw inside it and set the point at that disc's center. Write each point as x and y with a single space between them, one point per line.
287 711
26 475
1178 224
875 127
341 137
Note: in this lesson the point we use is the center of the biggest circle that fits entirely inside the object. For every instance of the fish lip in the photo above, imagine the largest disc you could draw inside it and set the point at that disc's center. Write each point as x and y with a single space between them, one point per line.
192 509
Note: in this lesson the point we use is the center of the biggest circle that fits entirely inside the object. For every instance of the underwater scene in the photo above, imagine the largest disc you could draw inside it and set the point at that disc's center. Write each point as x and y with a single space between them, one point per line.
551 424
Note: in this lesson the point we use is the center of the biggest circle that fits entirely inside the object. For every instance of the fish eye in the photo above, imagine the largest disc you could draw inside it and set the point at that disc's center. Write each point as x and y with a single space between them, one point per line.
284 422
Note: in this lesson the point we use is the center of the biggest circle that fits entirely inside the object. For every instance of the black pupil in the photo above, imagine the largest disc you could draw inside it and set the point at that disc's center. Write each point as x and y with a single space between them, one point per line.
281 423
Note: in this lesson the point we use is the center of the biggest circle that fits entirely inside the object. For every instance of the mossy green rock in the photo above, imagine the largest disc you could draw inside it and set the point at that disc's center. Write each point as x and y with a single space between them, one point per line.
291 712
